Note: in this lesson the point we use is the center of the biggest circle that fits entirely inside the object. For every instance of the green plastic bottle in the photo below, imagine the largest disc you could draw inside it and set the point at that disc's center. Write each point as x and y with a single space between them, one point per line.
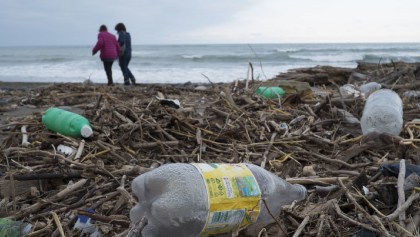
273 92
11 228
67 123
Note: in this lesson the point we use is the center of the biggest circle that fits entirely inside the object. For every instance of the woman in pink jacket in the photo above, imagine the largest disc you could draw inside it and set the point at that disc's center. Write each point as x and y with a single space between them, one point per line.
109 47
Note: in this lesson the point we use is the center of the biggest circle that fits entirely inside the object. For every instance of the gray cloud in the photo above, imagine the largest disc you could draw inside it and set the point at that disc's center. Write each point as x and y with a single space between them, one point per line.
40 22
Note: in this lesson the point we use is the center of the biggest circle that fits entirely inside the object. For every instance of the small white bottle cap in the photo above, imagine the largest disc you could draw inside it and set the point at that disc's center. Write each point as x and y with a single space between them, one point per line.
86 131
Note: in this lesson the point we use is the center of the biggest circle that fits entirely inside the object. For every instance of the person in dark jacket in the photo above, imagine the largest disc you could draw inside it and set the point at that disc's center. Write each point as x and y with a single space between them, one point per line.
109 47
124 39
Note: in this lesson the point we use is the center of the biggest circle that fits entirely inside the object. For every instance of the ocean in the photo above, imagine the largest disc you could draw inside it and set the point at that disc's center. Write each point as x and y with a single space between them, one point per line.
193 63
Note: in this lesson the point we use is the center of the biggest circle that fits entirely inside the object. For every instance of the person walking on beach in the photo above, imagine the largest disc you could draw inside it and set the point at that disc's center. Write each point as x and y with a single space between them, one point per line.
124 39
109 47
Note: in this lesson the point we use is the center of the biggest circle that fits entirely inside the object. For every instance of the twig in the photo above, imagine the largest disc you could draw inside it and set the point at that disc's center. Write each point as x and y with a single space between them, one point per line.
58 223
401 194
80 150
301 226
60 195
136 229
404 206
272 216
340 213
267 150
256 55
357 205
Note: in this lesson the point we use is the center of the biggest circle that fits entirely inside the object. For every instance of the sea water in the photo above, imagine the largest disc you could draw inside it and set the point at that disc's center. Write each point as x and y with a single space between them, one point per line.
192 63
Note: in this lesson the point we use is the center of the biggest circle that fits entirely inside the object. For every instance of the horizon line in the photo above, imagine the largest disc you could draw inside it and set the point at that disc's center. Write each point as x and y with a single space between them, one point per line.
168 44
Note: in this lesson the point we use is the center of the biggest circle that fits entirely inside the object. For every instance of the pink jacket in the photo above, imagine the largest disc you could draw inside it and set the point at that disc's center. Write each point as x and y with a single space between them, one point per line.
108 45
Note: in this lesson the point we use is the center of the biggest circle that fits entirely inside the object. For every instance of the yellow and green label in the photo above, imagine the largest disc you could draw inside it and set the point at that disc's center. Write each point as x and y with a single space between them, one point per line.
233 194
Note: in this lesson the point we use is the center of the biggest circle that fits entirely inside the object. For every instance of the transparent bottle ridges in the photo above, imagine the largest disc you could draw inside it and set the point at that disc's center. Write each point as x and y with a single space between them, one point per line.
174 199
383 112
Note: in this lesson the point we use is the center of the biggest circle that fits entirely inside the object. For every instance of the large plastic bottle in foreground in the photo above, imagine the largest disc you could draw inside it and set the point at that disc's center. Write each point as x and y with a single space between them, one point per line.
181 200
383 112
67 123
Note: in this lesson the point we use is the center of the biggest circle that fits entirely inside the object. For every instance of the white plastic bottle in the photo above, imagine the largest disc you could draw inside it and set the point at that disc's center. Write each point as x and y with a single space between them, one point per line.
383 112
175 200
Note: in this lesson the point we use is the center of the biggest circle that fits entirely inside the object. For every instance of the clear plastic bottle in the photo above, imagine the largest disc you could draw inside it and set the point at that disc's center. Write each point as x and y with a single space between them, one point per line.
67 123
383 112
175 200
369 88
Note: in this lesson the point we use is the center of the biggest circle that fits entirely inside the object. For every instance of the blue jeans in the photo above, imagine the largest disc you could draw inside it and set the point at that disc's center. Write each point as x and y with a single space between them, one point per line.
124 60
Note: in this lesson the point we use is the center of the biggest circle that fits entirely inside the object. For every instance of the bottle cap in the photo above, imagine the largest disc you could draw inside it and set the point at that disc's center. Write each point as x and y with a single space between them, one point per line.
86 131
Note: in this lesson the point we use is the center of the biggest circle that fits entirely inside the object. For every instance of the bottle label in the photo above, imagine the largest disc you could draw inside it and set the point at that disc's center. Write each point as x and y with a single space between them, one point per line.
233 195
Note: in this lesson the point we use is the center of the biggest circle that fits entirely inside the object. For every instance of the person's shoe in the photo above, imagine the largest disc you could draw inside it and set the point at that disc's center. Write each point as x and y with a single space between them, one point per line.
133 81
127 83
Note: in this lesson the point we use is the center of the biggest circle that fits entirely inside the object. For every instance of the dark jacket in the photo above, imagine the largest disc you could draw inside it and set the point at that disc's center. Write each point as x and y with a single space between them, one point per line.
124 39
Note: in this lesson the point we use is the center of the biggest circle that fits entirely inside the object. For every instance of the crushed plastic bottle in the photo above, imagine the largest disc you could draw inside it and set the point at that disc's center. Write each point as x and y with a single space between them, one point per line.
349 91
84 224
67 123
369 88
11 228
383 112
272 92
411 94
189 200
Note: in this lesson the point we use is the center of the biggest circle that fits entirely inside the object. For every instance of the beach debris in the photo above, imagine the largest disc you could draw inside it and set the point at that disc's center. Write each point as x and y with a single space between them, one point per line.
65 150
169 102
383 112
350 91
67 123
369 88
272 92
411 94
134 134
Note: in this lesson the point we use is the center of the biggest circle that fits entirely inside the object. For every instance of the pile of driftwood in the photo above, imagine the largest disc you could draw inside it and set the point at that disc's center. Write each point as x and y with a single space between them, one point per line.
310 136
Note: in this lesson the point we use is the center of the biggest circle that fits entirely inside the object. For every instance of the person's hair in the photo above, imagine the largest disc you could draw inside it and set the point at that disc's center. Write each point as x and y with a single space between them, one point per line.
120 27
103 28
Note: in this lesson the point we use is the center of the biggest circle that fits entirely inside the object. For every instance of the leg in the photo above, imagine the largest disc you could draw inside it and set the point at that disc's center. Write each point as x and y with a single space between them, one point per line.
129 74
108 71
123 66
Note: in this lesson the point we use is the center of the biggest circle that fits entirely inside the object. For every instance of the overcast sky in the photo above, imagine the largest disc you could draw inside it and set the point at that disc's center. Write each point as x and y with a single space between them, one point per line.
76 22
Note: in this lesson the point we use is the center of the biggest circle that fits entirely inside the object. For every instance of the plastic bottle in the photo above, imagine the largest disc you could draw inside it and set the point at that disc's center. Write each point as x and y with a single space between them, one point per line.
84 223
349 91
273 92
383 112
67 123
11 228
177 199
369 88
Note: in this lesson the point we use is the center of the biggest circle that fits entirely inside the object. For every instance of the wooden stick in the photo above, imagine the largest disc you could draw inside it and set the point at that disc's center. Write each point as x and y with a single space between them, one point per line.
401 194
58 223
301 226
344 216
414 196
267 150
60 195
357 205
80 149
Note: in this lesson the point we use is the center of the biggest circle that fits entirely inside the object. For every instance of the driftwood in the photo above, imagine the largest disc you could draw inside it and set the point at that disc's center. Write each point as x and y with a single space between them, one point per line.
303 138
